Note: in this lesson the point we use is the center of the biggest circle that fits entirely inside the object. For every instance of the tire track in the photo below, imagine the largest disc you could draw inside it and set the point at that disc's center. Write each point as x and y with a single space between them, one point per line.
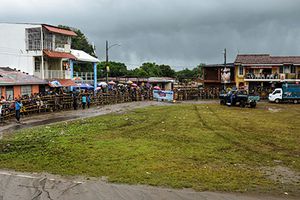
226 138
245 134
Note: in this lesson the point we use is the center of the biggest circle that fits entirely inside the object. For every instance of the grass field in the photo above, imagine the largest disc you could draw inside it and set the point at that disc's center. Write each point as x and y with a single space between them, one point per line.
204 147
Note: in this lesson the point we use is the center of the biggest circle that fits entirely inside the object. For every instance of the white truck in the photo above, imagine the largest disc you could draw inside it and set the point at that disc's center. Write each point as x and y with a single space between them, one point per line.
287 93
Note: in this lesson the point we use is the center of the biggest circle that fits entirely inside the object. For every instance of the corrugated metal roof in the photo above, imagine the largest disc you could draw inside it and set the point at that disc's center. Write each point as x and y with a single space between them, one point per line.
58 30
56 54
266 59
9 76
62 83
67 82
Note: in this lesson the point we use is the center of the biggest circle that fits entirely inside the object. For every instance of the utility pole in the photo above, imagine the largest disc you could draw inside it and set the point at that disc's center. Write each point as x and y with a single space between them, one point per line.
106 67
106 62
224 70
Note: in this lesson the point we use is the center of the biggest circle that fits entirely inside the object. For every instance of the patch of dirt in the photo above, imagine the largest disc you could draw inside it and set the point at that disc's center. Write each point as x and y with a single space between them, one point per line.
282 174
274 110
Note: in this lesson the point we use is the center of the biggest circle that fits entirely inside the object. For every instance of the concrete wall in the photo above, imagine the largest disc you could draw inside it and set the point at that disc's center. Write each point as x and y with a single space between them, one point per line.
13 47
35 89
239 79
17 90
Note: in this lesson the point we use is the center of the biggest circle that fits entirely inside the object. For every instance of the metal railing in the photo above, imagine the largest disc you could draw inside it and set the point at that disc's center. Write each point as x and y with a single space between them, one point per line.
53 74
253 76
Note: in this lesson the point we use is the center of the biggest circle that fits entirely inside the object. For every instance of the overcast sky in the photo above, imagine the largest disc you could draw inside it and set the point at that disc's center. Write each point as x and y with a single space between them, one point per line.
181 33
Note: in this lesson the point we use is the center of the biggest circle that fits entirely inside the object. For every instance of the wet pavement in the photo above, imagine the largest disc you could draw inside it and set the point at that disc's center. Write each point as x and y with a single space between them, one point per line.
20 186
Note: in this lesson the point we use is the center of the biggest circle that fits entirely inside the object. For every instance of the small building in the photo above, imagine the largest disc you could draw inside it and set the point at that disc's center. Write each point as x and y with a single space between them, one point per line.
218 76
263 72
14 84
165 83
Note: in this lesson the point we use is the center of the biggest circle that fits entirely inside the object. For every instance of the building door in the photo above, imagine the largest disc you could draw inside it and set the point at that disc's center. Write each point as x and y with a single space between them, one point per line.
9 93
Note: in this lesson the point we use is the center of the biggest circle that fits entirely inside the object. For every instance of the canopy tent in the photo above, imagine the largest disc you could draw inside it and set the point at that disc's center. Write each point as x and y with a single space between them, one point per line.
83 56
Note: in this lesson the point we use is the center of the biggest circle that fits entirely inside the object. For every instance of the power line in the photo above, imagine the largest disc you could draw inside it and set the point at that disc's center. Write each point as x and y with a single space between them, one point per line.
15 54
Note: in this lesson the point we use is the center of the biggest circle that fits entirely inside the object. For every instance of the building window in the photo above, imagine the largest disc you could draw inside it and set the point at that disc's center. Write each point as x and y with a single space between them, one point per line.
33 39
293 69
26 90
9 93
61 41
37 64
241 70
281 69
286 69
48 41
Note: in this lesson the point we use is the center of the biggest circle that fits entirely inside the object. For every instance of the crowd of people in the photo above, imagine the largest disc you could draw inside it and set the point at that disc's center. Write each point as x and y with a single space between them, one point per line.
58 99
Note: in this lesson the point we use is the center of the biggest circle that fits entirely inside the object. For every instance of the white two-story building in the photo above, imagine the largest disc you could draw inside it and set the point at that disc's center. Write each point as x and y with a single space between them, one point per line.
41 50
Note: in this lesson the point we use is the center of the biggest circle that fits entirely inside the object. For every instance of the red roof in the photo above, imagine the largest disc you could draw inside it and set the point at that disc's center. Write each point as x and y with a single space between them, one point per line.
67 82
62 31
266 59
55 54
9 76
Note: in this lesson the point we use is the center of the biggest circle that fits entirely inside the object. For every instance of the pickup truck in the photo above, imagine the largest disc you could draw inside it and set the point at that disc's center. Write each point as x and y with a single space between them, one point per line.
239 97
287 93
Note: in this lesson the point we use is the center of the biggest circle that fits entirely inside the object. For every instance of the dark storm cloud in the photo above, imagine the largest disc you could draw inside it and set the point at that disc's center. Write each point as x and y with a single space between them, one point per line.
176 32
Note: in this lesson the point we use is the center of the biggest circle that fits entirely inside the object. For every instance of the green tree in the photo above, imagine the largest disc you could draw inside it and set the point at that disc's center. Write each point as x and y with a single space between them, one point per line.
185 74
199 70
116 69
152 69
167 71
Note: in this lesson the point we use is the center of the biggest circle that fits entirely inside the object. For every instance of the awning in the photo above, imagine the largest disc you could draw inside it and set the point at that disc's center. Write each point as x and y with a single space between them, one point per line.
56 54
62 31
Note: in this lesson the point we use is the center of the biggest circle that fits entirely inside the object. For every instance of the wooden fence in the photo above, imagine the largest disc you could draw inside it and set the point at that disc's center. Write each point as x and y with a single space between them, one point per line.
60 102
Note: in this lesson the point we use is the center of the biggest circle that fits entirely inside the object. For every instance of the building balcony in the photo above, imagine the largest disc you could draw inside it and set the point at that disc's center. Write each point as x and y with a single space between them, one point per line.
53 74
250 77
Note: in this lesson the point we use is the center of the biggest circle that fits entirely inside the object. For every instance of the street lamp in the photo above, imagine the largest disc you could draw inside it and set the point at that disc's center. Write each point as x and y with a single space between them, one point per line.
107 67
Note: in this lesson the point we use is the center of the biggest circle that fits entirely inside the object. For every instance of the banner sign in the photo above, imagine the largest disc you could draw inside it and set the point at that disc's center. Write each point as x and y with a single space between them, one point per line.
225 75
163 95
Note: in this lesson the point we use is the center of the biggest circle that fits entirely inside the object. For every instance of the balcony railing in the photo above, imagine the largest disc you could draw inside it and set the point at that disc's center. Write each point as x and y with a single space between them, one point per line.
53 74
270 77
262 76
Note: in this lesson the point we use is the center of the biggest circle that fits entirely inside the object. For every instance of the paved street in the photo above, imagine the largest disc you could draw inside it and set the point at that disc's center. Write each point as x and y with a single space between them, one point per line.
20 186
